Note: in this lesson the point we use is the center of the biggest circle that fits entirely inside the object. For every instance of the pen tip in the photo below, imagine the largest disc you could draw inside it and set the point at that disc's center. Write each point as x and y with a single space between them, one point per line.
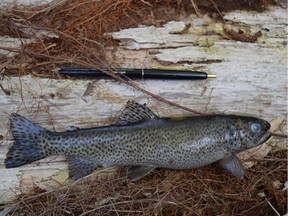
211 75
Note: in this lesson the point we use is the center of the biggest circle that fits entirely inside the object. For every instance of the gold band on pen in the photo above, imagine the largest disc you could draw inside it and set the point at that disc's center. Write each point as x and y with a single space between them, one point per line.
142 73
211 75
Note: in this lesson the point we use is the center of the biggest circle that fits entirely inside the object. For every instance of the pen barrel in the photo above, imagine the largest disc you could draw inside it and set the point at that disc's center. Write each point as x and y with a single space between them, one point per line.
136 73
175 74
83 72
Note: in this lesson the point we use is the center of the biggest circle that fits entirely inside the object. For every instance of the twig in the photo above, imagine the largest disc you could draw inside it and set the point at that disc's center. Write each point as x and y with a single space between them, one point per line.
269 203
196 9
110 73
279 135
247 210
218 10
7 92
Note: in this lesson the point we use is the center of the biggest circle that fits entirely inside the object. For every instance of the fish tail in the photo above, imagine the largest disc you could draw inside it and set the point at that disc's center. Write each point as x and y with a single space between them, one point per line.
26 147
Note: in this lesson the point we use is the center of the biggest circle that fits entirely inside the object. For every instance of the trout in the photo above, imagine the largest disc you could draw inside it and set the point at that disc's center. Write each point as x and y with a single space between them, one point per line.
141 141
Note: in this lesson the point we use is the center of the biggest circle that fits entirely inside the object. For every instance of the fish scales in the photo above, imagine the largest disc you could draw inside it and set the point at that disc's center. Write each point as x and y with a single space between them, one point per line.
160 142
142 141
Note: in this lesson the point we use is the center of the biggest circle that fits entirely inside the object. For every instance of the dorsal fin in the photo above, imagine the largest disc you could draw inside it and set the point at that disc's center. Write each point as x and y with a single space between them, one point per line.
134 112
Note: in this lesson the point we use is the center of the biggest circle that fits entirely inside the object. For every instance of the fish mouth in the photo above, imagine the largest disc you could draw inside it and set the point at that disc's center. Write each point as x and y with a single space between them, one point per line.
264 138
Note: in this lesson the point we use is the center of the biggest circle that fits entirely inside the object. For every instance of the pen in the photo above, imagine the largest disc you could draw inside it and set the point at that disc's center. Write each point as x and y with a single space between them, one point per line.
153 73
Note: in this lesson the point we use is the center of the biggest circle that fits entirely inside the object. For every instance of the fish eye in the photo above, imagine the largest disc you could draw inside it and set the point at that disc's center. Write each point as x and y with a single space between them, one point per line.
255 127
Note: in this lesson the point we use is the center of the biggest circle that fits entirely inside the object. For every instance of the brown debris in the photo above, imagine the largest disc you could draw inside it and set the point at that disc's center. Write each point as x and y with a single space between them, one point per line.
80 26
241 35
206 191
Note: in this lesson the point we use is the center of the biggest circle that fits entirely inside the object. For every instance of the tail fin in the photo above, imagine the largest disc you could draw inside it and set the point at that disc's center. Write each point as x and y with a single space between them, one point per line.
26 148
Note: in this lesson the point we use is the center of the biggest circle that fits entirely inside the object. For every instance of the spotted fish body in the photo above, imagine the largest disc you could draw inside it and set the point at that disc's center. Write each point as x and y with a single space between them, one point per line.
141 141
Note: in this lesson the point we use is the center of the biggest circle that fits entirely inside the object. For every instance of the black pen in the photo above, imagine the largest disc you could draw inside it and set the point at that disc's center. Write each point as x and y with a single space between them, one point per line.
153 73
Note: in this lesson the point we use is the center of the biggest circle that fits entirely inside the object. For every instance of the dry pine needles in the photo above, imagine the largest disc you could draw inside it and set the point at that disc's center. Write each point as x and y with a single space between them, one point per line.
80 25
206 191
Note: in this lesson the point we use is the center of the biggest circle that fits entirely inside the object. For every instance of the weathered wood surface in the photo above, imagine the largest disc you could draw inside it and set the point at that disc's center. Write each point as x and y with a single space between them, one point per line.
251 79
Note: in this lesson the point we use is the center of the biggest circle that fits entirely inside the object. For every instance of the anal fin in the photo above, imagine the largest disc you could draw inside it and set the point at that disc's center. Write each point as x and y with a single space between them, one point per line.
137 172
79 167
232 164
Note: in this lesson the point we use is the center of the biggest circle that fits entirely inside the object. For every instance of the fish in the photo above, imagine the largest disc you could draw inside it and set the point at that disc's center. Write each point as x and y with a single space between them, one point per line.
141 141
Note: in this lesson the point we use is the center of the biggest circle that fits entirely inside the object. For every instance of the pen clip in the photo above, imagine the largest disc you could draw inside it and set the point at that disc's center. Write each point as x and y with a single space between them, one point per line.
169 68
179 68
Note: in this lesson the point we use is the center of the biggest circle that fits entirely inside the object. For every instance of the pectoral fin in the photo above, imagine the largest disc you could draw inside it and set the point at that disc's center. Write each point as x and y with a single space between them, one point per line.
137 172
232 164
79 167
